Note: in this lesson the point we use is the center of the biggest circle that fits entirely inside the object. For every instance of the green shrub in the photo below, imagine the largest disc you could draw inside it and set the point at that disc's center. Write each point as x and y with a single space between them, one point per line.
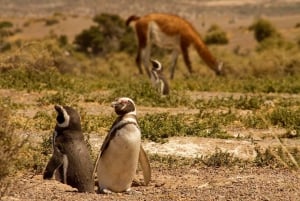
278 157
43 121
215 35
109 35
219 158
158 127
144 93
52 21
90 41
96 123
61 97
4 46
298 41
62 40
6 24
286 118
263 29
274 42
256 120
264 158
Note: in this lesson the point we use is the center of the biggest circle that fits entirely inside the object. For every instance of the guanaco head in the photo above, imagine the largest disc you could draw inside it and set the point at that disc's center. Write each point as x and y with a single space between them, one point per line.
131 19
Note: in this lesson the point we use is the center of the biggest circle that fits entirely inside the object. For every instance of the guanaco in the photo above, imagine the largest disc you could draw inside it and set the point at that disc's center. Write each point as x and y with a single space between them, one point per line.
171 32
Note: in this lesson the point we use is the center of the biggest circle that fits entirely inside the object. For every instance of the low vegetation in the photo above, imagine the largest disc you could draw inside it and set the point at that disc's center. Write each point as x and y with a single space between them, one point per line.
11 147
62 74
215 35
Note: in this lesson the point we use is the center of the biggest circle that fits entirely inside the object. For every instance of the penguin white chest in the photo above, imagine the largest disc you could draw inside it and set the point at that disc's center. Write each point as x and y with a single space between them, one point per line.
117 166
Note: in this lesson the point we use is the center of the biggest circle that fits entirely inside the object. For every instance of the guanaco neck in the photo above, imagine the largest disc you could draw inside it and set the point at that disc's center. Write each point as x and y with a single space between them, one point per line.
205 54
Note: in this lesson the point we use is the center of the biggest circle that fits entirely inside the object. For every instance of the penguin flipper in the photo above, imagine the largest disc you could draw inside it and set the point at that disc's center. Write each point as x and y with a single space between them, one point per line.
145 165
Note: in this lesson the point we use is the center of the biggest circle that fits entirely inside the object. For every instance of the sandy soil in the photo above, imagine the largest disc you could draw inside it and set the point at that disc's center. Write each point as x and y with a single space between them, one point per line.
178 183
174 180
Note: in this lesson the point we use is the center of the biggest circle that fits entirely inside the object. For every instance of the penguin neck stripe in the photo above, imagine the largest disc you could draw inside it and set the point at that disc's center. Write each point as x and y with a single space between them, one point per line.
131 113
54 139
67 120
129 119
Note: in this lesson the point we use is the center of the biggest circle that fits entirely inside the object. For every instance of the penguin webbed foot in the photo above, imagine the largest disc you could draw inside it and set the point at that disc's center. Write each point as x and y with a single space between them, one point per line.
104 191
129 191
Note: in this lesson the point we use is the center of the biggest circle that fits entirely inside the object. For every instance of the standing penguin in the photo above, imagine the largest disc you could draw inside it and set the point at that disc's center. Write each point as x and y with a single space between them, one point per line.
121 151
158 78
70 160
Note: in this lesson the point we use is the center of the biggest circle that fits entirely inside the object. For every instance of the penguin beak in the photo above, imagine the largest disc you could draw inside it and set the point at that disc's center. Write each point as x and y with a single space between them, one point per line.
58 108
114 103
154 63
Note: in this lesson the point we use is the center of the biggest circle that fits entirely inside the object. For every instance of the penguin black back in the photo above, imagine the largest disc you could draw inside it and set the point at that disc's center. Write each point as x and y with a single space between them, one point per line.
70 160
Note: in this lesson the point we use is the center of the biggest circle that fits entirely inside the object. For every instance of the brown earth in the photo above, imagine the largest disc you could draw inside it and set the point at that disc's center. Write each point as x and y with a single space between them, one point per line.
171 180
176 181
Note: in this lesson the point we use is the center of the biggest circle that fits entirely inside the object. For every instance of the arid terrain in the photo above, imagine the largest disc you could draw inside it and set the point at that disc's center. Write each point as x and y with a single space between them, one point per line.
171 180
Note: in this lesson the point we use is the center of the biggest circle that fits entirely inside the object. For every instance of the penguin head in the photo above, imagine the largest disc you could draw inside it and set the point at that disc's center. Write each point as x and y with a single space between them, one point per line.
124 106
156 65
67 117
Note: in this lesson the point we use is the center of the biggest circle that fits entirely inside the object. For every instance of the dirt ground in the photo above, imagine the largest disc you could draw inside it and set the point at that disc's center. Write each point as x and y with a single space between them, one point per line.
178 183
170 182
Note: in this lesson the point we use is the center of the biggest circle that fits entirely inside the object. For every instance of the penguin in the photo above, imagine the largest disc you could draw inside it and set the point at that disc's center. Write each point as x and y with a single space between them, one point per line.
158 79
70 162
121 151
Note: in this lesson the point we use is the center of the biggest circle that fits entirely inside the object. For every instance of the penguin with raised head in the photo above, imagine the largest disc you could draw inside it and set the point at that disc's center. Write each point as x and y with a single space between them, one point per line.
70 162
121 151
158 79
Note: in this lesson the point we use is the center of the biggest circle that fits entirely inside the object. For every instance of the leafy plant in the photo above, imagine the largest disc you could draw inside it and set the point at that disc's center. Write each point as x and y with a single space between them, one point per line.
158 127
109 28
144 93
219 158
263 29
286 118
51 21
60 97
215 35
264 158
43 121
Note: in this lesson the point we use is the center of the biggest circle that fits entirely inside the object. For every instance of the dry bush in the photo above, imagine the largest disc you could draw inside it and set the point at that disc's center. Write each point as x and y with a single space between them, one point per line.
273 62
39 55
10 146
